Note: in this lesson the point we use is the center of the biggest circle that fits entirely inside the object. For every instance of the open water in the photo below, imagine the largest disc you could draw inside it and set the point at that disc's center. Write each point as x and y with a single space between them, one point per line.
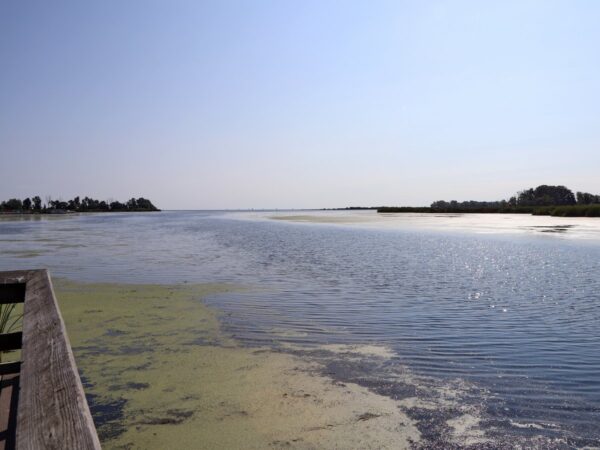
508 305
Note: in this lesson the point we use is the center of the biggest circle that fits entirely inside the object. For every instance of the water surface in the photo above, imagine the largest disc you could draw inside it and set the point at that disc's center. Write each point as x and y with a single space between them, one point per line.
505 305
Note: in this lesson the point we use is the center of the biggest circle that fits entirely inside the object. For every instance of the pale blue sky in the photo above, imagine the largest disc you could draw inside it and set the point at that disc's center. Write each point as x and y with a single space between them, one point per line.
279 104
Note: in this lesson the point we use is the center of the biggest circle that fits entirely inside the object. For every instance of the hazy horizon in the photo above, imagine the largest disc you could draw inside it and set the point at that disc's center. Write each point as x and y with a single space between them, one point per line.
265 105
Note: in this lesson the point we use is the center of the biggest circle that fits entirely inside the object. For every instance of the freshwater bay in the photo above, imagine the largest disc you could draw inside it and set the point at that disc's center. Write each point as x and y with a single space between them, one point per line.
501 310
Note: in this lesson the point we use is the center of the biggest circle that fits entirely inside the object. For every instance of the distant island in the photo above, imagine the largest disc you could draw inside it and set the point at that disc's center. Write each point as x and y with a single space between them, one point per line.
543 200
34 205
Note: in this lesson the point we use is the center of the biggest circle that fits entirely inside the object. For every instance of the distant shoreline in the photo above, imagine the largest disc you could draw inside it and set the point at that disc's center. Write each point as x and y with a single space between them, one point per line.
61 213
554 211
544 200
34 205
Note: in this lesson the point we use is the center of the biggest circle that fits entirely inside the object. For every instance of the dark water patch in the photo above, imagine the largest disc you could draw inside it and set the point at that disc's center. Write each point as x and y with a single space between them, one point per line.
134 349
108 418
143 366
112 332
240 413
171 417
209 340
552 228
128 386
367 416
285 444
362 374
108 414
432 424
86 350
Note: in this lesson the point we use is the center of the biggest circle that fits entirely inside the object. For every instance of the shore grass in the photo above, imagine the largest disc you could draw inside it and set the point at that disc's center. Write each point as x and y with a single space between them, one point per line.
11 319
569 211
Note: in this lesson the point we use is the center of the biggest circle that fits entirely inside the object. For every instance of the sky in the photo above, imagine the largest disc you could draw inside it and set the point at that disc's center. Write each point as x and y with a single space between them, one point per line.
298 104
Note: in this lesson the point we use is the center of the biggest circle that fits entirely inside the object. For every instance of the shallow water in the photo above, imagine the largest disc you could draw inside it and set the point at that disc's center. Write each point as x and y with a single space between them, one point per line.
508 305
159 373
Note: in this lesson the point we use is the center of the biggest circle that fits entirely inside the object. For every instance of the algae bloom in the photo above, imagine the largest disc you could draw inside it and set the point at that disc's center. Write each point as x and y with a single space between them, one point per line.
159 373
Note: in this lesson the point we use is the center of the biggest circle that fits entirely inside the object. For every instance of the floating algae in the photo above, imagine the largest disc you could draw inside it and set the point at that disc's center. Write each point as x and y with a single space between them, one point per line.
24 253
159 373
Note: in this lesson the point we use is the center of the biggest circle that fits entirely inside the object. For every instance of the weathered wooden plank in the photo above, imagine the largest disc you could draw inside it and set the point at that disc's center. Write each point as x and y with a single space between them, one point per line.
11 341
12 293
15 276
52 412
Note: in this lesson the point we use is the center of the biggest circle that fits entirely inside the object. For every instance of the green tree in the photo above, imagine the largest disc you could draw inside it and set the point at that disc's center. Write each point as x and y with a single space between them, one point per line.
117 206
545 195
585 198
14 204
27 204
37 203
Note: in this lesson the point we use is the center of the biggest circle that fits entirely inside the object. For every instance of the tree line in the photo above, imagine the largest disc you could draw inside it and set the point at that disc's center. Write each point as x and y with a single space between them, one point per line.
87 204
542 200
544 195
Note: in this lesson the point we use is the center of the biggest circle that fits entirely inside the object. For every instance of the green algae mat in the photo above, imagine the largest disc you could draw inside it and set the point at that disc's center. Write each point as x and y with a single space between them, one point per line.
160 373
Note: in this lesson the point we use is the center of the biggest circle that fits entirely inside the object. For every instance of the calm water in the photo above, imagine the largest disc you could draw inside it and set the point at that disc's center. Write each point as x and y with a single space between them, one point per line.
509 304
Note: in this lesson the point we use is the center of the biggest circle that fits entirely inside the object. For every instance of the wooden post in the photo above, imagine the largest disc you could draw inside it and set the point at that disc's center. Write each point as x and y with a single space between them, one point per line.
52 411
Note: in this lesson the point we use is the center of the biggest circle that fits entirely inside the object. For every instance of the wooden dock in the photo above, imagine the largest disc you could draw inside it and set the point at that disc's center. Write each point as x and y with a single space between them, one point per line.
42 402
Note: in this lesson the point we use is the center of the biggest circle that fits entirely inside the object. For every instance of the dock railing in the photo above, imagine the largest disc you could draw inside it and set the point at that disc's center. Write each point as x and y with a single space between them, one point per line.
42 402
